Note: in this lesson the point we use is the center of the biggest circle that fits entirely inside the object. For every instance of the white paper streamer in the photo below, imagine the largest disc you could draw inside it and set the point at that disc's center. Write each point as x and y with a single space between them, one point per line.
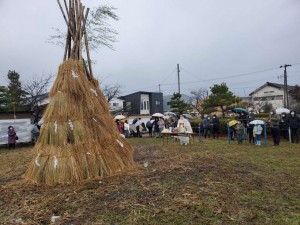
94 119
94 91
120 143
55 162
55 127
54 218
74 74
71 125
36 160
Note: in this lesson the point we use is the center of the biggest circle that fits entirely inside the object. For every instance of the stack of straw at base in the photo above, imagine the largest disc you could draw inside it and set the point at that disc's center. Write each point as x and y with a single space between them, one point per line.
78 140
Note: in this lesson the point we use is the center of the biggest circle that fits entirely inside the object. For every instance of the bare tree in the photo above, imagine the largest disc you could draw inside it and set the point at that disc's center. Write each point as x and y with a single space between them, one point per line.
197 98
36 92
111 91
99 31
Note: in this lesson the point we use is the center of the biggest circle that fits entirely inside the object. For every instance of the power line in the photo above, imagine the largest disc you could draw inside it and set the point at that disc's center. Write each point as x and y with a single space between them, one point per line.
238 75
168 75
197 81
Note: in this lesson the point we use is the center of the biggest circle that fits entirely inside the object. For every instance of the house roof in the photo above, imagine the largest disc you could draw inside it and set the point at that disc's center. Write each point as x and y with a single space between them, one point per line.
141 92
279 86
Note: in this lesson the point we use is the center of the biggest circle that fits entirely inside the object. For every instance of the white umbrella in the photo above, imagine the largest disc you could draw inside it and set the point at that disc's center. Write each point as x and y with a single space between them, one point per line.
255 122
282 110
119 117
157 115
139 122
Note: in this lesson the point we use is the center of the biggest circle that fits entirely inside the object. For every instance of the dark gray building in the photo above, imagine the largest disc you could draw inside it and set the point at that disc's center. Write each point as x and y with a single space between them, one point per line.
143 103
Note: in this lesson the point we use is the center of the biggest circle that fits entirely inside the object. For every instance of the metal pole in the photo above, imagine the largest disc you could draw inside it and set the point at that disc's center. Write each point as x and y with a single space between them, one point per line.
228 132
178 78
199 129
265 133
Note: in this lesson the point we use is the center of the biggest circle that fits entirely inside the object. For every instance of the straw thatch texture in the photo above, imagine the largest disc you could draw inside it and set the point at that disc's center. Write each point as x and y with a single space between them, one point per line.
78 139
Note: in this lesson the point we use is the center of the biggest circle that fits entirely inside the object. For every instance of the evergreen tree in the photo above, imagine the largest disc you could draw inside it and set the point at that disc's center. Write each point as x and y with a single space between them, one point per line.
3 100
15 95
220 97
179 106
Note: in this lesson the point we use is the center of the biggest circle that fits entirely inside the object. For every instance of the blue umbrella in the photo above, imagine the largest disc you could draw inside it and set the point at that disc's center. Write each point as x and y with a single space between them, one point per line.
240 110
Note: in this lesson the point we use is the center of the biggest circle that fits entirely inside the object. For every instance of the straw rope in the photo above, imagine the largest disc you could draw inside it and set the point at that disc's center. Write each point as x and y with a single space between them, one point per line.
79 139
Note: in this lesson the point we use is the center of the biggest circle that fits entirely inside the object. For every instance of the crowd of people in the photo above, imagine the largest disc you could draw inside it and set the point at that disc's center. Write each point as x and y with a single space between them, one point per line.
285 124
243 129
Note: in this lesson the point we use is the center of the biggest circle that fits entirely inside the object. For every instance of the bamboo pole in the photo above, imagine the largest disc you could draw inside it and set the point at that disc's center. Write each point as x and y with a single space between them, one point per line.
62 11
88 54
81 29
67 46
67 10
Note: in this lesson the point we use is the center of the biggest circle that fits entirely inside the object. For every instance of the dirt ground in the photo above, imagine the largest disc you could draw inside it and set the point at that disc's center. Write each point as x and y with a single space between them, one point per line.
207 183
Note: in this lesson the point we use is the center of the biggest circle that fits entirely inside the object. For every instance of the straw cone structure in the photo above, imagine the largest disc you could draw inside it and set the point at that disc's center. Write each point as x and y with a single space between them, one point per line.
78 139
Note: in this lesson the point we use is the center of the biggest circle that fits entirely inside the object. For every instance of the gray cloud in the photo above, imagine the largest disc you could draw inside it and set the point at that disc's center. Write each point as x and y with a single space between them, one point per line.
209 39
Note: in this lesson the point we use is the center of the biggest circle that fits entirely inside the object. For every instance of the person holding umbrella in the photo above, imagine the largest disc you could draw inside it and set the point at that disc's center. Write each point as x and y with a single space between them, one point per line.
294 123
274 125
257 133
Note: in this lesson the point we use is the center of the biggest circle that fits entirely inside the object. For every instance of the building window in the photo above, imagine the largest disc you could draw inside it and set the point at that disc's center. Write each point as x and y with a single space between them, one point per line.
115 104
157 102
128 106
142 105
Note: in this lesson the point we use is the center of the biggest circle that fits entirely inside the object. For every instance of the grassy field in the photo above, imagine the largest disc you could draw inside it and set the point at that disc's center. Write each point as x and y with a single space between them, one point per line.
207 183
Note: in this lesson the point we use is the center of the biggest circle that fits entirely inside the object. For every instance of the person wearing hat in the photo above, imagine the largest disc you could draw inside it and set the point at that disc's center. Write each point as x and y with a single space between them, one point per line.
12 136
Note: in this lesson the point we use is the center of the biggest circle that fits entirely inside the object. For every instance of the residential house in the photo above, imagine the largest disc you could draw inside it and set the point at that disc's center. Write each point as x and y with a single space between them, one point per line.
116 105
143 103
270 93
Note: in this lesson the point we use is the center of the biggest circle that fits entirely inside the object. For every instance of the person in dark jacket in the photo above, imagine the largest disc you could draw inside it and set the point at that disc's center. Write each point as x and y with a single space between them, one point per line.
243 118
149 125
206 126
215 126
11 137
284 126
294 123
156 128
274 125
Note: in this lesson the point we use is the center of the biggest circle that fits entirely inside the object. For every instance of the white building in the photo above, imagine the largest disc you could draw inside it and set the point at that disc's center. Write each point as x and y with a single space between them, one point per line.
116 104
269 93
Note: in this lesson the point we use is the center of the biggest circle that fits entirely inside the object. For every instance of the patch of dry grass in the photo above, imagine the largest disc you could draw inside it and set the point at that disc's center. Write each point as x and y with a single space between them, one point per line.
207 183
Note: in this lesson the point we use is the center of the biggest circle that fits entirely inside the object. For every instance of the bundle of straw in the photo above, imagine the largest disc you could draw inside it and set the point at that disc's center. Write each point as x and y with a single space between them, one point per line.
79 139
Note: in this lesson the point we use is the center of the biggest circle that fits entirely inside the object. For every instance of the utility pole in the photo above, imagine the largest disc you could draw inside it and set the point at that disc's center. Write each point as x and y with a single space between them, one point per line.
178 78
285 87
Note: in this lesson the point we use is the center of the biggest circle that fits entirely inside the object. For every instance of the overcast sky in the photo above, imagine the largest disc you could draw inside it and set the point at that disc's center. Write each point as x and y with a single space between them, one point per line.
242 43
